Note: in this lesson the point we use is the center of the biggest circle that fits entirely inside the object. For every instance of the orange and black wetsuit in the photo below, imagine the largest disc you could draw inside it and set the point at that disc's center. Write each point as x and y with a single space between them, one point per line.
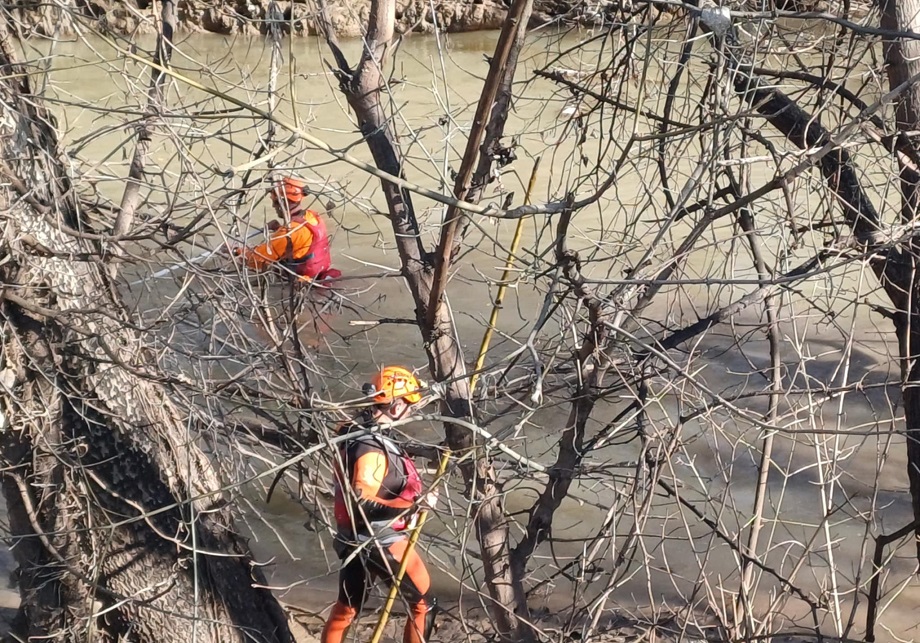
376 487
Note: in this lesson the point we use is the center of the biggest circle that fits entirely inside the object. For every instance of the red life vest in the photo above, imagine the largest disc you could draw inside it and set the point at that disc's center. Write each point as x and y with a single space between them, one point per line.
319 259
413 487
410 492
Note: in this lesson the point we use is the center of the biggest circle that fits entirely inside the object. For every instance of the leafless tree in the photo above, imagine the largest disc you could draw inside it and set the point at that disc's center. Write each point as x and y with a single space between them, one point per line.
695 418
131 197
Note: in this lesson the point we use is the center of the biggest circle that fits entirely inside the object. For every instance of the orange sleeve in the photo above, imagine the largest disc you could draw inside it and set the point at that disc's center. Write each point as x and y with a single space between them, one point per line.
284 244
274 249
367 479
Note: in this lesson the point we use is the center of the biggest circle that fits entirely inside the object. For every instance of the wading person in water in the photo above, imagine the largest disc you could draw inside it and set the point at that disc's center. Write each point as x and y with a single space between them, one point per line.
377 489
299 241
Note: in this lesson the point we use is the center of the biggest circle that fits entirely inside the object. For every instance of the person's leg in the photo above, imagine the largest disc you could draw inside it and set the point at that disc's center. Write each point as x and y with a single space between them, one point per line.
337 624
352 592
414 589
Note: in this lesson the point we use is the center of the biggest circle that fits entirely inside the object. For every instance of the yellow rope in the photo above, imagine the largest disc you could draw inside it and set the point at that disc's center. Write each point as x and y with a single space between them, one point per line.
413 538
503 285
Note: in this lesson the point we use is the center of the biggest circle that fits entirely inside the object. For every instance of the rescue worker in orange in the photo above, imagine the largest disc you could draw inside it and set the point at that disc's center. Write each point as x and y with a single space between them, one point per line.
377 493
300 244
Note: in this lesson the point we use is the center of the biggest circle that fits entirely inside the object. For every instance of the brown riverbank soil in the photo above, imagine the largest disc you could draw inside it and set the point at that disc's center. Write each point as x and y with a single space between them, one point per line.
348 17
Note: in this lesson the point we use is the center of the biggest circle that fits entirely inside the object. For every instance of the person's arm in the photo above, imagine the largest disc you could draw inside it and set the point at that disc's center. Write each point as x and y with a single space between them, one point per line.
369 472
275 249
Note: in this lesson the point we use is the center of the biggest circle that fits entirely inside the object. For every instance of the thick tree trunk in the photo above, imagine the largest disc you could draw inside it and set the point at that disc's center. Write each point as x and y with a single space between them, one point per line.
121 531
902 58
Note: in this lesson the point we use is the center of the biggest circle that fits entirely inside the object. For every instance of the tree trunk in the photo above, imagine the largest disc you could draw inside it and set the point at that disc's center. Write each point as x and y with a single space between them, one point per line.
489 121
592 361
902 58
120 530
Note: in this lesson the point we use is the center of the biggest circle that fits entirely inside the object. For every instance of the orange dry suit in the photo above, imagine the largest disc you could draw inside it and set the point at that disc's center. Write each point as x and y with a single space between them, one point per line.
375 484
302 246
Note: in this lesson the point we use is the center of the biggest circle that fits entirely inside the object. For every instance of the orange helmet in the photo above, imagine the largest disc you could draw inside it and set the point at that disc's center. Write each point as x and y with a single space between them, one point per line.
393 382
291 189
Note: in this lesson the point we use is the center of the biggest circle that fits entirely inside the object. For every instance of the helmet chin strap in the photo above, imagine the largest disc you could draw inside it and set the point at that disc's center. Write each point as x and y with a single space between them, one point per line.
385 412
408 408
389 410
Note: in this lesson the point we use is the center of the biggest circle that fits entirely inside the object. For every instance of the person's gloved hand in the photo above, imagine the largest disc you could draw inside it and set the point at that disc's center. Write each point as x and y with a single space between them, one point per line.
228 250
430 500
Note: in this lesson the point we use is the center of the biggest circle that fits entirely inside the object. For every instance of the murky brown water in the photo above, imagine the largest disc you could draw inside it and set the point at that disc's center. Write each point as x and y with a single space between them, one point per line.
716 456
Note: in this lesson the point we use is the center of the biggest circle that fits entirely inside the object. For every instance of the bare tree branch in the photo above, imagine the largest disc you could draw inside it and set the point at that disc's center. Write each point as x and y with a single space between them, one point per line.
130 199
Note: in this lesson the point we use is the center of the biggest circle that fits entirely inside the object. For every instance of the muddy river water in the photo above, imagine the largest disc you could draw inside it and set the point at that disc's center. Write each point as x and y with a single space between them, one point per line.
858 478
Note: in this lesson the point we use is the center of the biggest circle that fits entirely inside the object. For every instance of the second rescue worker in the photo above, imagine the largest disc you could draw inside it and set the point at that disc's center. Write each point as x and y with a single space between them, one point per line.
300 244
377 488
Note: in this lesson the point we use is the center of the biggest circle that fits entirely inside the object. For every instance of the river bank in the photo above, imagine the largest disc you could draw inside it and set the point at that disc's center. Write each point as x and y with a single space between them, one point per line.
348 17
